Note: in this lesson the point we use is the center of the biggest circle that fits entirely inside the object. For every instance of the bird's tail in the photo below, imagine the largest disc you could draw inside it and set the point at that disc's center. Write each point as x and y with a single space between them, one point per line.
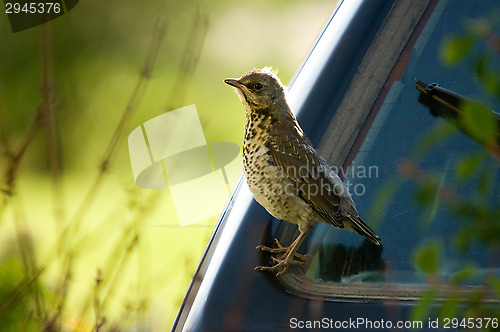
357 225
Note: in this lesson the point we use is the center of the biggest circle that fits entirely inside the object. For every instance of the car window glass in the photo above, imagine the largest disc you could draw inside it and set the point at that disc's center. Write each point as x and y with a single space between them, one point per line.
390 136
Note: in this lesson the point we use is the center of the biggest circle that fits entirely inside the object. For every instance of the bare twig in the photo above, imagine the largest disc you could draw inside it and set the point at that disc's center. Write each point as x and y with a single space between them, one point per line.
43 117
117 137
189 59
53 321
14 158
122 262
118 259
48 108
19 292
99 319
28 258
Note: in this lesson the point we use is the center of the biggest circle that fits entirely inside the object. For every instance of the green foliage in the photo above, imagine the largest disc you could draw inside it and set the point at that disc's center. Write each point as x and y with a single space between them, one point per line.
466 274
479 122
438 133
466 187
495 283
449 308
14 296
427 194
487 74
379 205
70 92
477 213
424 309
469 165
457 48
428 258
477 210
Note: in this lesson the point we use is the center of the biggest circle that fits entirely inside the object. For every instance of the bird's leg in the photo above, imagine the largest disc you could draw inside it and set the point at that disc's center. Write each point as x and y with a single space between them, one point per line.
287 258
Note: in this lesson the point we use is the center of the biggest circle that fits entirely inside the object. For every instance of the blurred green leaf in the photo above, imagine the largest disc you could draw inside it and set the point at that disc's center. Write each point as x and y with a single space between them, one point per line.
428 257
441 131
463 239
495 283
486 181
427 193
479 122
466 273
469 165
449 308
491 81
423 309
382 200
14 296
481 65
455 49
488 75
477 206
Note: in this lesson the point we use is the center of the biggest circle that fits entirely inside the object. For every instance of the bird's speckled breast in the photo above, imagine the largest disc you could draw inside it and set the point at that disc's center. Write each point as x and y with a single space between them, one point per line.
270 187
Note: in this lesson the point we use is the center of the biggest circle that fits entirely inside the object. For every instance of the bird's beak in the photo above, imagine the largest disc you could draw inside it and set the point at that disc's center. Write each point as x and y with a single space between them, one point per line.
233 82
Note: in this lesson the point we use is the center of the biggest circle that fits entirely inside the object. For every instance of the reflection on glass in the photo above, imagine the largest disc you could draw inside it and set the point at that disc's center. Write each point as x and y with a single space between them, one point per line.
397 127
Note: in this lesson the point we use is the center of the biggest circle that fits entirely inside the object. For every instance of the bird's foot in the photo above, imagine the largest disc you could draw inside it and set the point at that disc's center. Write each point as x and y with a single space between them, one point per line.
285 260
281 249
281 264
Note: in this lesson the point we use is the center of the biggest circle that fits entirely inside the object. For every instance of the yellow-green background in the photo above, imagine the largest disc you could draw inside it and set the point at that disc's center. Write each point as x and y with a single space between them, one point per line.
98 49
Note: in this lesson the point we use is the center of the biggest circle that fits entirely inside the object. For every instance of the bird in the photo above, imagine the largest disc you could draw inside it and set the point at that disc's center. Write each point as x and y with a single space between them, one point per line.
284 171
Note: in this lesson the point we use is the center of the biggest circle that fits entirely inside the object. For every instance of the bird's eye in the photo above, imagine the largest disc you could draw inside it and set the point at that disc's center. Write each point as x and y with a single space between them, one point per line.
258 86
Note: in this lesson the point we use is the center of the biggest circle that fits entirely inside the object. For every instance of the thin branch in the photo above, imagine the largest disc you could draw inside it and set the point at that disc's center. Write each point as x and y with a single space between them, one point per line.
99 319
121 254
14 159
28 258
48 110
18 293
189 59
117 137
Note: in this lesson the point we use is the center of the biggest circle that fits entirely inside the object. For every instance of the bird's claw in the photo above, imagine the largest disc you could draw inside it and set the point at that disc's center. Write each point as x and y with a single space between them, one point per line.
282 249
273 250
284 261
281 263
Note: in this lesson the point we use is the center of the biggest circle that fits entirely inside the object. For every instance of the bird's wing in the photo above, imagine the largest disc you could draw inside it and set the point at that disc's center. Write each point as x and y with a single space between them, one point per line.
315 181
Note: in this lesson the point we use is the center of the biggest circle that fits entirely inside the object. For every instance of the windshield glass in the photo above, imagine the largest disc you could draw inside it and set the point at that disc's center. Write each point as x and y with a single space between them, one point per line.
389 143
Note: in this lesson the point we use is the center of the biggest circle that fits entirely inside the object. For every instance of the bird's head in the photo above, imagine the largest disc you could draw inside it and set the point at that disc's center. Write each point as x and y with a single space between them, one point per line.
259 89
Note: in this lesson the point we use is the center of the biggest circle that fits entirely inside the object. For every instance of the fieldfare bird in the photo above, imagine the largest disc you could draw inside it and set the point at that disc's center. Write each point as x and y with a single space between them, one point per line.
284 171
